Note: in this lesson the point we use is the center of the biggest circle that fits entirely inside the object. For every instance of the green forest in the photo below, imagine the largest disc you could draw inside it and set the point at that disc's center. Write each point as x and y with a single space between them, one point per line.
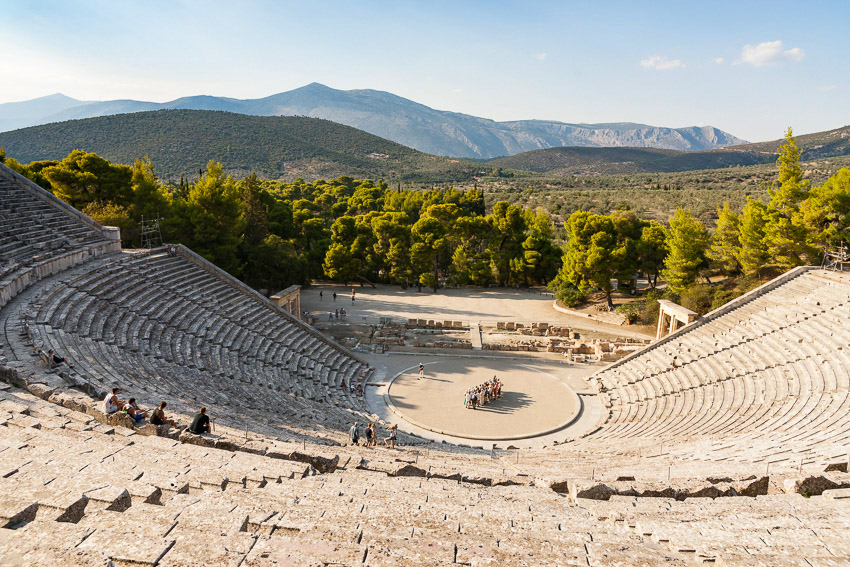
272 234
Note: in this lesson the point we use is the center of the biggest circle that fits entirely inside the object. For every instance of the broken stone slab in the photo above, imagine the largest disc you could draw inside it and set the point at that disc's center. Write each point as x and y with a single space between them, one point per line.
40 390
192 439
16 510
378 466
505 482
836 467
591 490
23 421
66 506
837 494
75 401
482 480
322 464
112 498
409 470
13 407
751 486
809 485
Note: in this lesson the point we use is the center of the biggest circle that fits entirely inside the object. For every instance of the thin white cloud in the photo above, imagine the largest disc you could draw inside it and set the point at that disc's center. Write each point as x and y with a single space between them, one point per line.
827 88
539 56
769 53
717 61
456 91
661 63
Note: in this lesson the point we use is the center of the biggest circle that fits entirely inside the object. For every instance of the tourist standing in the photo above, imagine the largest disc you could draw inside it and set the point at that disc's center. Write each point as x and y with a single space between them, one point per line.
390 441
354 434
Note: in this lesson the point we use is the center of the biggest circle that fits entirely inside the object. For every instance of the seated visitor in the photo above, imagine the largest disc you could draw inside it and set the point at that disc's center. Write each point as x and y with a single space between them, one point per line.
201 423
57 360
111 403
133 410
158 416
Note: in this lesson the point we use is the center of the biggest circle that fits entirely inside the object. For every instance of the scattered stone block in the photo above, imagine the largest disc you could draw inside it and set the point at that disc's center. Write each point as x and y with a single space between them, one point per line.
16 510
410 470
809 485
43 391
113 498
837 493
13 407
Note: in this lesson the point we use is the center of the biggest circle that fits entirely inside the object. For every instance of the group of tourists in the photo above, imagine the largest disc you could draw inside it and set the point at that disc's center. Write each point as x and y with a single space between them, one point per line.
337 313
483 394
113 404
370 436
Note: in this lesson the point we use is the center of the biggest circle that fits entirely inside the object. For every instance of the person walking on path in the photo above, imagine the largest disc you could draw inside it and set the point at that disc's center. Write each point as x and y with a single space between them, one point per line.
421 371
334 297
369 435
390 441
320 295
354 434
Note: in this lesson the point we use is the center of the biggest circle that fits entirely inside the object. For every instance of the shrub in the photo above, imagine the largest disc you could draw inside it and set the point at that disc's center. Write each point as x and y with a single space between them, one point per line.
698 297
632 311
568 294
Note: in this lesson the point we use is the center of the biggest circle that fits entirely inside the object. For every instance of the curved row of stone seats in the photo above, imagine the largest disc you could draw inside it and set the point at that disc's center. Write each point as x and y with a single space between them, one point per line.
74 492
40 235
162 327
775 366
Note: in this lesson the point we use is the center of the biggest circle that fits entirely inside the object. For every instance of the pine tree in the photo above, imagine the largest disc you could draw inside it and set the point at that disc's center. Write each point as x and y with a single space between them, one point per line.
724 242
752 254
785 229
688 242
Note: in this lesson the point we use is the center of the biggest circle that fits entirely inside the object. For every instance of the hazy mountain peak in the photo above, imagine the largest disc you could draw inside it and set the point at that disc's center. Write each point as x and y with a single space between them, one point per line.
395 118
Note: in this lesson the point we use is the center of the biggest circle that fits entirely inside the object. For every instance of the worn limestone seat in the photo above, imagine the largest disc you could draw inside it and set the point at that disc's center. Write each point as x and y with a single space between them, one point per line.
771 375
77 492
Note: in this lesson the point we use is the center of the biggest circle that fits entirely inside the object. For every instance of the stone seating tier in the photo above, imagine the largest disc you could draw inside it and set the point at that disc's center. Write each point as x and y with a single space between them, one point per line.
775 367
160 327
76 491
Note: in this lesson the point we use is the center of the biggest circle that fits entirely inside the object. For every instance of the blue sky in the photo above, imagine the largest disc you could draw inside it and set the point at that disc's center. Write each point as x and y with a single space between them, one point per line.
750 68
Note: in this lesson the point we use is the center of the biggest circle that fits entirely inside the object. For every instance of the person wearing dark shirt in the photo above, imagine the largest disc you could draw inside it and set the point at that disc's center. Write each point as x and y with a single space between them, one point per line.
201 423
158 416
57 360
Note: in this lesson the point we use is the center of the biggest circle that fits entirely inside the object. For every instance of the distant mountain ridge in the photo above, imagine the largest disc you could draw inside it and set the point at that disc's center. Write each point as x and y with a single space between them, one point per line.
597 161
392 117
181 142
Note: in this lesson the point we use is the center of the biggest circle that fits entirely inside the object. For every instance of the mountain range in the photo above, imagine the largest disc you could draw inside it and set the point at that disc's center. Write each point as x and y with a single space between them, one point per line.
394 118
594 161
181 142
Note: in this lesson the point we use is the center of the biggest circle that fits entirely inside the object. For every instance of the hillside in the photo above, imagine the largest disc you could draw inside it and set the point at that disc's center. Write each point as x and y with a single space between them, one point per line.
601 161
394 118
180 142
